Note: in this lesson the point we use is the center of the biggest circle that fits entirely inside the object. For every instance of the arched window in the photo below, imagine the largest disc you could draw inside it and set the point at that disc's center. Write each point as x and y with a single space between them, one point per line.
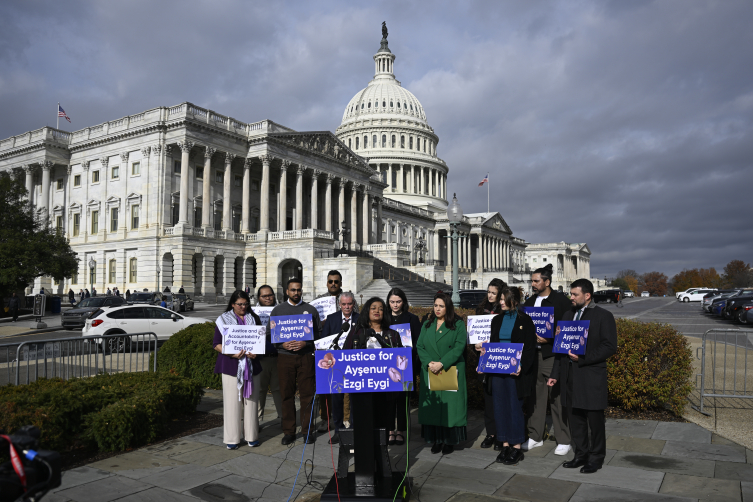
374 141
384 104
384 141
410 142
376 104
111 271
424 145
361 106
402 140
365 141
411 107
349 143
369 104
398 104
392 104
356 142
132 275
393 141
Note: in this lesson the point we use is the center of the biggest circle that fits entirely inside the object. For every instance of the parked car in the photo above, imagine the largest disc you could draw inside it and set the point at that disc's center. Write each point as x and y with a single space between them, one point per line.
76 317
626 293
146 297
471 298
645 294
689 291
607 295
694 295
136 319
186 303
709 298
748 315
735 304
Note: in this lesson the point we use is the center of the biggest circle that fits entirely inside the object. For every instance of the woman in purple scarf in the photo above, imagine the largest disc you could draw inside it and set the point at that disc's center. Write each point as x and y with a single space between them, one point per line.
240 376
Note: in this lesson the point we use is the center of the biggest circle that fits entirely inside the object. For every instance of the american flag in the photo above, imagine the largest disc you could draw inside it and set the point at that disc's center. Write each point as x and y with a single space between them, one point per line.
485 180
61 113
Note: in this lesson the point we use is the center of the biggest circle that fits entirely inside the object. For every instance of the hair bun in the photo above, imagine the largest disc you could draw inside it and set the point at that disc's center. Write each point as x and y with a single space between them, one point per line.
550 267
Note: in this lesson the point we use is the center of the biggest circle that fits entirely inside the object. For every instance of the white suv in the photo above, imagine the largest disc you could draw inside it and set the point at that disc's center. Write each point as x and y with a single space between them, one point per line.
138 319
693 294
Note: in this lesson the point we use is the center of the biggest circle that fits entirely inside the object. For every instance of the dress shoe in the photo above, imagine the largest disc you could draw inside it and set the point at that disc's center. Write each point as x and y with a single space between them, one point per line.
488 442
572 464
447 449
335 438
503 453
323 427
514 456
436 447
590 468
498 446
287 439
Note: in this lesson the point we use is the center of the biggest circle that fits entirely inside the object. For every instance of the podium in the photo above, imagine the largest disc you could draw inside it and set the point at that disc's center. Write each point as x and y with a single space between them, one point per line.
373 479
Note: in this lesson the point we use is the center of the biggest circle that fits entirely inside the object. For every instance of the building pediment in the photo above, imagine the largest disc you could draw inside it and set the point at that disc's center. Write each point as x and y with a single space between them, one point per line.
324 143
497 222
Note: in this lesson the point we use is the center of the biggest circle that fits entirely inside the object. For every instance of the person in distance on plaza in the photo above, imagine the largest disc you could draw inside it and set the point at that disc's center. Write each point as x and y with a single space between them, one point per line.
583 379
510 391
544 296
333 325
71 296
88 294
443 415
13 305
295 365
334 288
491 305
238 402
269 378
398 313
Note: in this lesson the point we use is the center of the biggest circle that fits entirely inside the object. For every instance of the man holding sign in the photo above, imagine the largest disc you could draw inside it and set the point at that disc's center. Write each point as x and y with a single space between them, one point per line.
583 378
295 364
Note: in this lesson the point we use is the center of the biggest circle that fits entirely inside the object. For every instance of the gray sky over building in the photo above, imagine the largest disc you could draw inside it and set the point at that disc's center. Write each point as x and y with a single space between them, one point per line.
623 124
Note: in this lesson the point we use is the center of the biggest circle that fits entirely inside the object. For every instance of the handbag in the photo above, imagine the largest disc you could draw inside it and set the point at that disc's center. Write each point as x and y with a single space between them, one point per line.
444 380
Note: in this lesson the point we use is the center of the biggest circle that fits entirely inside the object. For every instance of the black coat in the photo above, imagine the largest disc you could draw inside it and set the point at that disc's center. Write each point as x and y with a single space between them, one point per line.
589 374
523 332
391 335
561 305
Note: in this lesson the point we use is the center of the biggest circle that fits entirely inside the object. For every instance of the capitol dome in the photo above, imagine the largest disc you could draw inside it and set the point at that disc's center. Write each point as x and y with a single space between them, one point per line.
386 124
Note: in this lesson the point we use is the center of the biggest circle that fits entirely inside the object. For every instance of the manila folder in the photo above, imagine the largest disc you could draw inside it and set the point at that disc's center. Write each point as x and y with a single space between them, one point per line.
445 380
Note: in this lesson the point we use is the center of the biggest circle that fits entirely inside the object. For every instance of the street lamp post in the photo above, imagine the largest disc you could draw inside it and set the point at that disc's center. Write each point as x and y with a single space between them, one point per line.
159 286
455 216
92 265
420 247
344 231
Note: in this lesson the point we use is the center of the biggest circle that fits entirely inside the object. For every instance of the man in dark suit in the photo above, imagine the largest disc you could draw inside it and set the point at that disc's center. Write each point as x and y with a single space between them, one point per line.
583 379
334 325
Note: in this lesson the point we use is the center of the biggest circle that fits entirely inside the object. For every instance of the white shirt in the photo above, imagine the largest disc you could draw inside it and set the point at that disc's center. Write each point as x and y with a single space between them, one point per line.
539 299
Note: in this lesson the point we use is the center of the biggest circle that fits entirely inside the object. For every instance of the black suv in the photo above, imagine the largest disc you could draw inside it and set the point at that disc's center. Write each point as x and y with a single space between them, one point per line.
77 316
607 295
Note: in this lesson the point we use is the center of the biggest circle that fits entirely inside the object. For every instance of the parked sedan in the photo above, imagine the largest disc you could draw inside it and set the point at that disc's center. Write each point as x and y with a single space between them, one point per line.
628 294
76 317
695 295
709 298
645 294
747 316
186 303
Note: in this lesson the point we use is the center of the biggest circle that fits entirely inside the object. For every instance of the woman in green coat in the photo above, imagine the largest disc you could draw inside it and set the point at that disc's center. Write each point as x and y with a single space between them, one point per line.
442 414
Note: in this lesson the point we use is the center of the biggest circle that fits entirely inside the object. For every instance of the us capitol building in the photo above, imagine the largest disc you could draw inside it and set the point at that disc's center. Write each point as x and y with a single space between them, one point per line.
184 196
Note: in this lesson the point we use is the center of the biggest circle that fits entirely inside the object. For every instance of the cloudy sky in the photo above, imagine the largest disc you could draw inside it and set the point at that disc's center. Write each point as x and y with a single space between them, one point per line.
623 124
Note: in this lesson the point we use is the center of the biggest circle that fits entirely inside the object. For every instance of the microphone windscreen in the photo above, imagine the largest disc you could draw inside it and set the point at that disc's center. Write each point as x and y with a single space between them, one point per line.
345 326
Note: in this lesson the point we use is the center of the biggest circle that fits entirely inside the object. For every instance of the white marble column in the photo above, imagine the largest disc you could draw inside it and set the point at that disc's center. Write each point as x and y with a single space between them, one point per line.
328 203
227 212
315 199
435 250
401 179
461 251
388 238
419 180
30 182
245 203
185 151
354 216
437 184
341 207
44 202
365 216
299 198
264 196
206 183
282 211
379 222
390 182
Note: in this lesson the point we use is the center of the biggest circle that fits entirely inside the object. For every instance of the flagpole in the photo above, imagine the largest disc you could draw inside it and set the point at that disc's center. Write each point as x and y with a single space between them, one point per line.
57 124
487 194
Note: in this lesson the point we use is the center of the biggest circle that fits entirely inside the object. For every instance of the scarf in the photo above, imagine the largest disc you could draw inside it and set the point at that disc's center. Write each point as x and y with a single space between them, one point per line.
245 380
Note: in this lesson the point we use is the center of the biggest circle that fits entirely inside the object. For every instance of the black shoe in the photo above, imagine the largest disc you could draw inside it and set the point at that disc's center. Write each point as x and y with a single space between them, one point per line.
311 438
514 456
287 439
391 439
323 427
436 447
504 451
401 441
488 442
590 468
572 464
447 449
334 439
499 446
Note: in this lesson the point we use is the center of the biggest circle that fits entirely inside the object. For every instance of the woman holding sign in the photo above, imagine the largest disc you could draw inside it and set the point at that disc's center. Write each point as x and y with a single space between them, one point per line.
240 389
443 413
510 390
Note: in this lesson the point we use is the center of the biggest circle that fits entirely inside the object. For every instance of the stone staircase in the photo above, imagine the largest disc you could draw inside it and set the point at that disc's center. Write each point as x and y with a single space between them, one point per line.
419 291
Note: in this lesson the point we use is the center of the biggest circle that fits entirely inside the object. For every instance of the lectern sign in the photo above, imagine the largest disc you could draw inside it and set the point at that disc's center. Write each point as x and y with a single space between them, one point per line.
369 370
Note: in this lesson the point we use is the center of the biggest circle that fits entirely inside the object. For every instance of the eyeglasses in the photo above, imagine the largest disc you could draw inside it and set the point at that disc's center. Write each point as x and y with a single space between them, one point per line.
335 281
241 304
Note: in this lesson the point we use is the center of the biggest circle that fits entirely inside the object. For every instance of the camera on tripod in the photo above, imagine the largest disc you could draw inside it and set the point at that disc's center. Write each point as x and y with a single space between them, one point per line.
30 474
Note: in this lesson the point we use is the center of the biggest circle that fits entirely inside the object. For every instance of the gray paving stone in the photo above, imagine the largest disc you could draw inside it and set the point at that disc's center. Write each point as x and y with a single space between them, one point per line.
631 428
184 477
268 469
211 436
747 490
749 454
79 476
618 477
276 493
595 493
705 451
55 497
717 439
104 490
571 454
210 455
142 473
434 493
477 497
321 455
466 479
535 489
225 488
675 431
734 470
477 459
664 463
135 460
541 467
157 495
638 445
718 490
170 448
541 451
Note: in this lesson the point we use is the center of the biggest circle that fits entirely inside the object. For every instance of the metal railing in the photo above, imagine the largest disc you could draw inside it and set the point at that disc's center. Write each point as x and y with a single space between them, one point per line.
726 358
77 357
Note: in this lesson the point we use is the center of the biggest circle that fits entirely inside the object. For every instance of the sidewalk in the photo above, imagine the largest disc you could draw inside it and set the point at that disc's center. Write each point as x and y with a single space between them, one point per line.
646 461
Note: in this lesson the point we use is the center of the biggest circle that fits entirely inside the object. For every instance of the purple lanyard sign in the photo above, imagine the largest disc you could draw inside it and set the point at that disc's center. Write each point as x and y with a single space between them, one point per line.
368 370
543 319
571 336
290 328
500 358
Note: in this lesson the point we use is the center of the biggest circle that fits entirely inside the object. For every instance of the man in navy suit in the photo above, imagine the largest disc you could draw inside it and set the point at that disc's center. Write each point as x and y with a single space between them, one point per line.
334 325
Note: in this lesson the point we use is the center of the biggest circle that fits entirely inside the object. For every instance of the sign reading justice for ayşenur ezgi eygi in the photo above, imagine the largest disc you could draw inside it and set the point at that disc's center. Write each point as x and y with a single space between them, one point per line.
291 328
369 370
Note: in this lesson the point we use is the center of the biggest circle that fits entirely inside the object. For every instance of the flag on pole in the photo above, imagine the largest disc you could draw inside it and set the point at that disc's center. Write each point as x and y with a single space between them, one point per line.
485 180
61 113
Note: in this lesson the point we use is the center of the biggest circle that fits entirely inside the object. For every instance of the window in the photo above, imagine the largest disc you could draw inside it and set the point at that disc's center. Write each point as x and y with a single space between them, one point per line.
398 104
410 142
93 274
199 173
361 106
365 141
392 105
544 260
136 168
176 213
77 180
74 278
356 143
349 144
176 167
393 141
374 141
255 185
219 177
114 219
238 180
402 141
384 103
59 183
236 223
95 176
132 270
534 260
369 104
112 269
76 224
218 220
135 217
59 224
115 172
384 141
197 217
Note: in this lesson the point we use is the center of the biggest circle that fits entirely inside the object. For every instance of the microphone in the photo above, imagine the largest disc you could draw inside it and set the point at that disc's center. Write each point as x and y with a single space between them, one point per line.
336 342
380 338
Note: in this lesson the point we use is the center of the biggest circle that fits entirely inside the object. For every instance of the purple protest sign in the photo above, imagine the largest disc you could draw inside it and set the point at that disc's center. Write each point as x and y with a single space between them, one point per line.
543 319
369 370
289 328
500 358
404 331
571 336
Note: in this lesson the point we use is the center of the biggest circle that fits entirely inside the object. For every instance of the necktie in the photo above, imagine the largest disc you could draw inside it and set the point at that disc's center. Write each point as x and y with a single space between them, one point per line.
577 316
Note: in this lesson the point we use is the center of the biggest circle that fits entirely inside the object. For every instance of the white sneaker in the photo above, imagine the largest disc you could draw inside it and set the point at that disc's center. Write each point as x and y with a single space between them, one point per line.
562 449
531 444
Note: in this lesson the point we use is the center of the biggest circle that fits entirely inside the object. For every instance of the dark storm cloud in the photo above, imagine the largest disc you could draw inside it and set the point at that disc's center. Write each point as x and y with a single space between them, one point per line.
626 125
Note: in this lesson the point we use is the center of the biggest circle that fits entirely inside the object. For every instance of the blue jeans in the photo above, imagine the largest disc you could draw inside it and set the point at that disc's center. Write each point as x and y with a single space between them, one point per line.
508 410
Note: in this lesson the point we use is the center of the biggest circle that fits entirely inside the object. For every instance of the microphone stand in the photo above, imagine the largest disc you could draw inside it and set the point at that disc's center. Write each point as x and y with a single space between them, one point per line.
336 342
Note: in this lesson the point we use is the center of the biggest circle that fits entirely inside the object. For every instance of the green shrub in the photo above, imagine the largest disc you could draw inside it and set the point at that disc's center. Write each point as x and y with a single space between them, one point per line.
115 412
652 367
189 353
